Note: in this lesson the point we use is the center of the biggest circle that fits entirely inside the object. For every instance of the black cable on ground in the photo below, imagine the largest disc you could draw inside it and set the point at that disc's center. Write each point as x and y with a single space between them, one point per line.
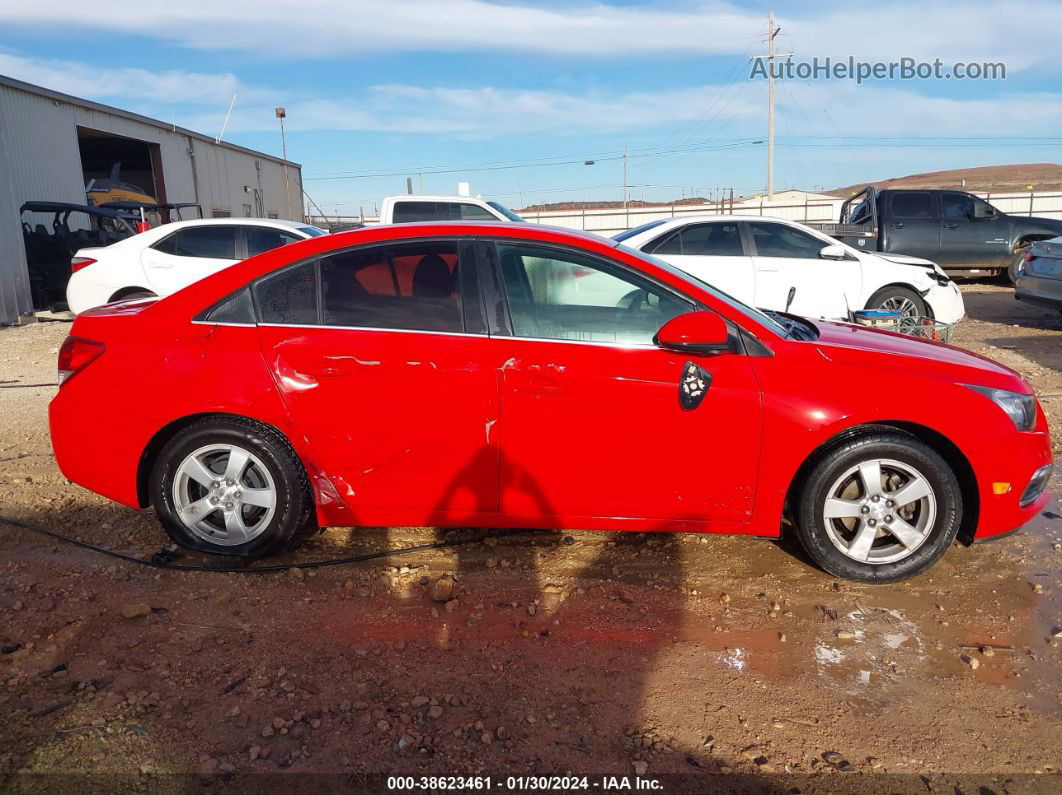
271 568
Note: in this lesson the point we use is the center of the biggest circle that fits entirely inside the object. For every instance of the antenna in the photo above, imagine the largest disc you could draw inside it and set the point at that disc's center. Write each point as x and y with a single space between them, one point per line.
226 124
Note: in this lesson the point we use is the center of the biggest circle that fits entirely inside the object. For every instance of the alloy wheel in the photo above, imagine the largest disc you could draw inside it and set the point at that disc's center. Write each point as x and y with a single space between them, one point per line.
880 511
902 304
224 494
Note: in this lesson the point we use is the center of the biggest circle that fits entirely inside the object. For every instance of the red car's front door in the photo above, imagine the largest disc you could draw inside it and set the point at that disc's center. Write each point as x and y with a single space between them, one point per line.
591 423
394 393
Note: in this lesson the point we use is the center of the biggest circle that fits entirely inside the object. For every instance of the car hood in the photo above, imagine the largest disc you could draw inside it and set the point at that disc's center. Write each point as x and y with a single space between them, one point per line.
903 259
844 341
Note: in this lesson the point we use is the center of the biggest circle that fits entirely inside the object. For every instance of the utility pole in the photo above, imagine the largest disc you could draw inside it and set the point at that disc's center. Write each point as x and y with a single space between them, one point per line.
626 208
282 114
772 31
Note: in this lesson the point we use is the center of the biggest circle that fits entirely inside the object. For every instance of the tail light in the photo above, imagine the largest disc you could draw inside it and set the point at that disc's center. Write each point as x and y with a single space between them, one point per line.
77 263
1029 256
75 355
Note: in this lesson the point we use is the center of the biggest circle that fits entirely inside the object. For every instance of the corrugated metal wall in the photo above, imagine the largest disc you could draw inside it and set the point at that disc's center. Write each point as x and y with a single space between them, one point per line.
40 160
14 280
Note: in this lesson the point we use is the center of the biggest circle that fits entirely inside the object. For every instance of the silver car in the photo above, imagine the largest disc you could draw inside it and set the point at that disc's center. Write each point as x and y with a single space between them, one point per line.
1040 277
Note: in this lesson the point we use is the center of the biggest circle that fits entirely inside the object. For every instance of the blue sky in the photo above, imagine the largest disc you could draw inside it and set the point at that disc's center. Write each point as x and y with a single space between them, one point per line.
514 96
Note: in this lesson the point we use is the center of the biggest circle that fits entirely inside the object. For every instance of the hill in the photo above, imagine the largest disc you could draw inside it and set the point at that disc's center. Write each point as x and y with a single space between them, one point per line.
989 179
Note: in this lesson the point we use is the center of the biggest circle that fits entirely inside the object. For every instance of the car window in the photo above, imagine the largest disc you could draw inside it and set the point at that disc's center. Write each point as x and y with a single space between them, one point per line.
472 212
780 240
956 206
704 240
914 204
264 238
288 296
237 308
406 286
563 295
211 242
411 212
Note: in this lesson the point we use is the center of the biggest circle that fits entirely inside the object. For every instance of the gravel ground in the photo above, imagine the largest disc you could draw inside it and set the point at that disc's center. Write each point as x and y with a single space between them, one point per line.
611 654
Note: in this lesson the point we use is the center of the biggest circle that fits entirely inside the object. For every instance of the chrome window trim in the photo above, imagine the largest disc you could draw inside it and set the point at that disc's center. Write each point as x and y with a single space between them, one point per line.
599 344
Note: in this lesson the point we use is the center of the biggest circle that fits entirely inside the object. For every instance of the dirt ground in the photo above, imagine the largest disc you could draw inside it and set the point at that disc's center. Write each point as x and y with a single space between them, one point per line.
663 655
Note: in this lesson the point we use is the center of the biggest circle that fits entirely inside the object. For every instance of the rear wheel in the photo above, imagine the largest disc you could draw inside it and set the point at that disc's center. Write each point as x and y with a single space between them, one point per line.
898 299
231 486
879 508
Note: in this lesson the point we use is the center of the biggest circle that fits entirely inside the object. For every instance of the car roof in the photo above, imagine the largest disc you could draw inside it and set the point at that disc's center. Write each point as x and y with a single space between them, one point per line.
433 197
669 224
497 228
239 221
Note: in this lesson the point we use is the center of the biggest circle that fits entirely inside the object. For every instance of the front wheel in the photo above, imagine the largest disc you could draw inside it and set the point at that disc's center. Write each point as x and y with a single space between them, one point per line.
230 486
879 507
898 299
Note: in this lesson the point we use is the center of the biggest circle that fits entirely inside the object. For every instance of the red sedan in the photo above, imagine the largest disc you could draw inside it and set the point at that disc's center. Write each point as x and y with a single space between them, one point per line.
522 376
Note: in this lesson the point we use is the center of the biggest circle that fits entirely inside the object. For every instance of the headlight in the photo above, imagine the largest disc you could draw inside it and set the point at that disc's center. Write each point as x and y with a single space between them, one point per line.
1020 408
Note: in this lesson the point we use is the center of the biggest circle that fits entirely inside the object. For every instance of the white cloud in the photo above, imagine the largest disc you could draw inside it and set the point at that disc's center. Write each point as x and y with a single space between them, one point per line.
105 84
1021 37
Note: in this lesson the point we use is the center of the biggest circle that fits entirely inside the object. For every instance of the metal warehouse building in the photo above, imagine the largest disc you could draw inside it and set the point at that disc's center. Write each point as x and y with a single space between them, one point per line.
53 145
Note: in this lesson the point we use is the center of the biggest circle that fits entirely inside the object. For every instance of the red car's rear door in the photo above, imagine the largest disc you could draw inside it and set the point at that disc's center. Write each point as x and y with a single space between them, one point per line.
381 356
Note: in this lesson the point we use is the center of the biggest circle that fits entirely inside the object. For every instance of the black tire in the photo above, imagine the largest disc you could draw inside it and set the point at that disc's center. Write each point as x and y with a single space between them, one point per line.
834 463
293 513
897 293
1013 264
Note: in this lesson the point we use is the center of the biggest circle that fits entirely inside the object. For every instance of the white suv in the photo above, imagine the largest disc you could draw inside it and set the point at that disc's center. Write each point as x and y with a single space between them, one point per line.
165 259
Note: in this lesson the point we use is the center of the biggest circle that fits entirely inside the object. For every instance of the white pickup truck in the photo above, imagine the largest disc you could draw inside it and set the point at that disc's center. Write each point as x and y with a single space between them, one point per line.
410 209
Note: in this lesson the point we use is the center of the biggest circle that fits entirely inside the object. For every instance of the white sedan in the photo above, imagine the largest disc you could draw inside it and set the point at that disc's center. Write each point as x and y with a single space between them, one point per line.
165 259
759 260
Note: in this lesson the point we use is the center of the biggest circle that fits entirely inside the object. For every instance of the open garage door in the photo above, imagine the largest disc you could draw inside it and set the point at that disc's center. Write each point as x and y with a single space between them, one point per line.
116 168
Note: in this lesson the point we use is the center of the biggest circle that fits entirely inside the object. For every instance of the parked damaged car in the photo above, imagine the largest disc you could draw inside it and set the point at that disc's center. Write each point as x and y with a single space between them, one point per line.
453 374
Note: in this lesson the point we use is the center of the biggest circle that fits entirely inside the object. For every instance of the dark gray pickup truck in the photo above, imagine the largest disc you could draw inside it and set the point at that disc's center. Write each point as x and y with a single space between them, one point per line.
957 230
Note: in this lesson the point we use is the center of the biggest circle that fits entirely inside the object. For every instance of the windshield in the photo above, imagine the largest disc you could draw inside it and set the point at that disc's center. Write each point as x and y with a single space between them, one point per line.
752 314
638 229
506 212
312 231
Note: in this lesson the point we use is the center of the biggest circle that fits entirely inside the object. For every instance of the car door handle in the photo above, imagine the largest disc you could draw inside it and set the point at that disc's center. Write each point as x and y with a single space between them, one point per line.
160 264
951 226
896 226
766 269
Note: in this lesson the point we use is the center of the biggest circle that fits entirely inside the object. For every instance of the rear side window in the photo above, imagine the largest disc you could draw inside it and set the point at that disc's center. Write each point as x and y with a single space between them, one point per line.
289 296
263 238
210 242
702 240
916 204
411 212
408 286
236 308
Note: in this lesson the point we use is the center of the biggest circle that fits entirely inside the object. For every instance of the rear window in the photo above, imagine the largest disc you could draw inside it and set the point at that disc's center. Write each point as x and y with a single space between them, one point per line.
639 229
